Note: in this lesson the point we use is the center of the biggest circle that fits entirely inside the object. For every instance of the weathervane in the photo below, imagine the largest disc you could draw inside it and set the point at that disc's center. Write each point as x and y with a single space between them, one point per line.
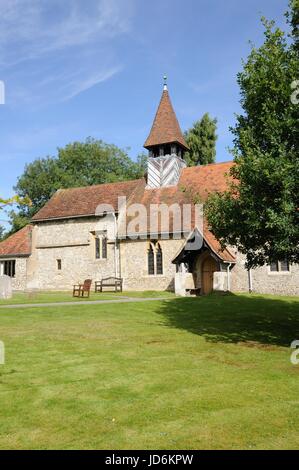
165 82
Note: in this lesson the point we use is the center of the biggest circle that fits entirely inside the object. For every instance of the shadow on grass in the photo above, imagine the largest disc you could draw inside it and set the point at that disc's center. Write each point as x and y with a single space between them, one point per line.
236 318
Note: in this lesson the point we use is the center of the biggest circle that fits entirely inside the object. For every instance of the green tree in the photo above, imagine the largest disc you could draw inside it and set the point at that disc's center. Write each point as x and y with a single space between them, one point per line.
77 164
141 164
201 140
14 200
259 213
293 19
94 162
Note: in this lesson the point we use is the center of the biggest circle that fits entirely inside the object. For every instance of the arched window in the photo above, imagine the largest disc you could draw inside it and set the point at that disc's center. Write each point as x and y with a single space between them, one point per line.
151 260
104 247
101 245
159 260
98 247
155 259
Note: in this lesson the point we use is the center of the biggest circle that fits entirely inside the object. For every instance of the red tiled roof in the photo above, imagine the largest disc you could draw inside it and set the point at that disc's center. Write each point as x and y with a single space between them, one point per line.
17 244
206 178
76 202
214 244
166 128
210 240
194 182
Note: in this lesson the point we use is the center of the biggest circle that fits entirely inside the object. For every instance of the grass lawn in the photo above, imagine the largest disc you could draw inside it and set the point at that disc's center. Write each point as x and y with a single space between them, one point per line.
56 296
211 372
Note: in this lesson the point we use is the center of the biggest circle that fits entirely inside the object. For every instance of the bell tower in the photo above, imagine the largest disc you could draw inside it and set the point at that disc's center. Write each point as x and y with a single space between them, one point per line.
166 146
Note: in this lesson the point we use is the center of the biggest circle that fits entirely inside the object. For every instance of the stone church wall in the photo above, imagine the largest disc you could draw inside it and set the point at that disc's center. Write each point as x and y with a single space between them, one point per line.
263 280
134 265
20 278
72 242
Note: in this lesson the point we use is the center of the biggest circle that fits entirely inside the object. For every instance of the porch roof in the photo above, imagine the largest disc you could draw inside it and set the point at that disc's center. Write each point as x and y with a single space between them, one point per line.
196 241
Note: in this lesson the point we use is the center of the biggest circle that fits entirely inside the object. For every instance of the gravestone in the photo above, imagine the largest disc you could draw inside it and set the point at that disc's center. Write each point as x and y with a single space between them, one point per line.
220 281
182 282
5 287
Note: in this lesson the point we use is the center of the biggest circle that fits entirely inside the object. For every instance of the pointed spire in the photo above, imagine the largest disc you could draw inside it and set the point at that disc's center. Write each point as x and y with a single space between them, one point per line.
165 129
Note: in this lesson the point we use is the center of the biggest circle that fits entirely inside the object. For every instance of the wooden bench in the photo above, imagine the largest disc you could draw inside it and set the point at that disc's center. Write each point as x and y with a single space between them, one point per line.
115 282
79 290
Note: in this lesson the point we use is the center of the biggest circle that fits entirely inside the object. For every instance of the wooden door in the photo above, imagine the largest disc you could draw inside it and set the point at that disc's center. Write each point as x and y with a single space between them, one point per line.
208 268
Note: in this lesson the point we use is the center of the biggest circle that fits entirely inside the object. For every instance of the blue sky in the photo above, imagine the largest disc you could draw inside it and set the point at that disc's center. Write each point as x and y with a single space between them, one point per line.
82 68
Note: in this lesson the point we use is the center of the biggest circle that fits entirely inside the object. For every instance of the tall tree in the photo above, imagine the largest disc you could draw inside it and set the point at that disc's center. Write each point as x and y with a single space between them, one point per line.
201 140
94 162
141 164
293 19
77 164
259 213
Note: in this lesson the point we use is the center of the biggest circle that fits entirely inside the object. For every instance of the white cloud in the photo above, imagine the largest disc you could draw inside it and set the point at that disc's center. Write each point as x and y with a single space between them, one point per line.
39 26
79 85
56 41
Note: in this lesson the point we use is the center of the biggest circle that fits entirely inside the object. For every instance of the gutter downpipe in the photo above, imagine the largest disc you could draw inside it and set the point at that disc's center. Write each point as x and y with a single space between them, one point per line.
115 246
228 276
250 280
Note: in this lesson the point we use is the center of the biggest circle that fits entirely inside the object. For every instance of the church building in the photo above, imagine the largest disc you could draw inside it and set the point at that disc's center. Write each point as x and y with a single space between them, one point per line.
93 232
